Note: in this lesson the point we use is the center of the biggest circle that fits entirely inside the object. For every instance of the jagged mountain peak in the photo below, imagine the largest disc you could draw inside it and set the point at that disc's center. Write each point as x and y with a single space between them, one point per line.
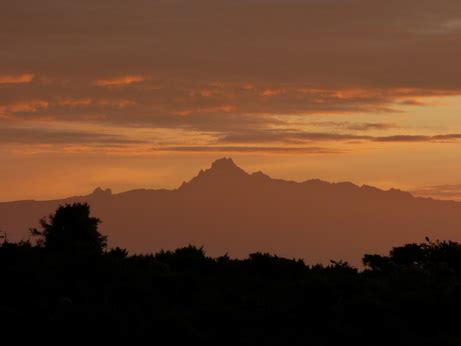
221 172
225 165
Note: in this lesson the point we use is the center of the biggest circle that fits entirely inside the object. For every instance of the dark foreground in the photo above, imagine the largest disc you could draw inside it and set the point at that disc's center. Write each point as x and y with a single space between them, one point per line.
68 284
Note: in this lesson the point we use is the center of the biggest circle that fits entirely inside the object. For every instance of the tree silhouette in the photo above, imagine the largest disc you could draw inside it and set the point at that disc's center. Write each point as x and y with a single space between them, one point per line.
71 230
68 284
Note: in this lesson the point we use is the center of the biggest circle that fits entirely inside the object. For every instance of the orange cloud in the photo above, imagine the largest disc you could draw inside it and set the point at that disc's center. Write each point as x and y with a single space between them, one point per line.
272 92
115 103
76 102
449 192
17 79
290 136
204 92
120 81
217 109
26 106
249 149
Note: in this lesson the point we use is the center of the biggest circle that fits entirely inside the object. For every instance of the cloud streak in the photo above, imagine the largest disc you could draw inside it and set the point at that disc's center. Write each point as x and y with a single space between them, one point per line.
364 126
294 136
18 135
419 138
248 149
119 81
17 79
452 192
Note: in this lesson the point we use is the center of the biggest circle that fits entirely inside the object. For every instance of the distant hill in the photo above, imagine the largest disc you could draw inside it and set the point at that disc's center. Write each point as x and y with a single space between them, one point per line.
228 210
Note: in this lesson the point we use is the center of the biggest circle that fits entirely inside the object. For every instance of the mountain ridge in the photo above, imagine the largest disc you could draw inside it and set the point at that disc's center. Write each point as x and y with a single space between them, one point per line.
228 210
225 167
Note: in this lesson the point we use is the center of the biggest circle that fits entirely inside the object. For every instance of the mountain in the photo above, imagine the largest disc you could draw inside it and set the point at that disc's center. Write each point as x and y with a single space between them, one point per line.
228 210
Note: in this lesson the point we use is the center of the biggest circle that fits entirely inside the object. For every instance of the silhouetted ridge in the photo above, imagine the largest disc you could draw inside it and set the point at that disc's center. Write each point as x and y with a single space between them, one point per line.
260 174
231 211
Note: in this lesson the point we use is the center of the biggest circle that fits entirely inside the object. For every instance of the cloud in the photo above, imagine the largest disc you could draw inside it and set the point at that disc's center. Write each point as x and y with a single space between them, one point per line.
187 105
121 103
216 109
119 81
364 126
451 192
75 102
285 136
371 126
325 43
87 102
18 135
64 108
295 136
30 106
16 79
248 149
419 138
282 60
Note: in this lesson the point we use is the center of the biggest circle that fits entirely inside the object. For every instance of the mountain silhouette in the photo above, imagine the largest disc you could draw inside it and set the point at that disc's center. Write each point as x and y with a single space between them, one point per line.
228 210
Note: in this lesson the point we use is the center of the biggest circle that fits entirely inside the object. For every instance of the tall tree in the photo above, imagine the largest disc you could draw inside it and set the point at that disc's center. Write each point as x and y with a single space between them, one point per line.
71 230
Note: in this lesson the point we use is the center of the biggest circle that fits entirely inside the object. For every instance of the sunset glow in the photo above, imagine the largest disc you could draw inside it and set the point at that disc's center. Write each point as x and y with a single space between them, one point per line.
146 95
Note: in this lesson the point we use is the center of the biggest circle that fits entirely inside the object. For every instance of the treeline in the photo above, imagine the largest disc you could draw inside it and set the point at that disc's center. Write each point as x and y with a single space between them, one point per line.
67 283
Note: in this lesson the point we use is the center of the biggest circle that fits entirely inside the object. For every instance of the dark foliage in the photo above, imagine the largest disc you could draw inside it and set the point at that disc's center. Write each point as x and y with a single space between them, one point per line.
68 285
71 231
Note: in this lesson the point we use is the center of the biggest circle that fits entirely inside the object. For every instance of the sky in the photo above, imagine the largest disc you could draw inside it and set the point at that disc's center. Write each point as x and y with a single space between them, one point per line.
145 93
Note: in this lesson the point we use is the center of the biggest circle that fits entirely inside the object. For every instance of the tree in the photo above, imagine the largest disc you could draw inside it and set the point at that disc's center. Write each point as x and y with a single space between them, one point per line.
429 255
72 231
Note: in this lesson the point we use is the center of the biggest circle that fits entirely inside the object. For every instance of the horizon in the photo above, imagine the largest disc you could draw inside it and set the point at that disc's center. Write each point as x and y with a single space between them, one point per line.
228 210
97 189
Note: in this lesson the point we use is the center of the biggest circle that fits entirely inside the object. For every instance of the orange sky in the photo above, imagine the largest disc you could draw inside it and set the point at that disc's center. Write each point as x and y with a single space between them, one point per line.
146 93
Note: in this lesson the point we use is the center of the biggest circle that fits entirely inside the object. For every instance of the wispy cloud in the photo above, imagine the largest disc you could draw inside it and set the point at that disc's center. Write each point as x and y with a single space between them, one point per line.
419 138
30 106
40 136
355 126
452 192
75 102
249 149
16 79
370 126
295 136
120 81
